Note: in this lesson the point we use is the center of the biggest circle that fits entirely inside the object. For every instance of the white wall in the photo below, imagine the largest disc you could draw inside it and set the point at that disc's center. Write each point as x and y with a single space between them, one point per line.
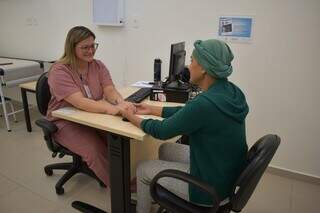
278 71
44 38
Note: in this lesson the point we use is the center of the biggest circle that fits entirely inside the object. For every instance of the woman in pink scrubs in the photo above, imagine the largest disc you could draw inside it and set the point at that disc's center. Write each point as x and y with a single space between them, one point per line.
81 81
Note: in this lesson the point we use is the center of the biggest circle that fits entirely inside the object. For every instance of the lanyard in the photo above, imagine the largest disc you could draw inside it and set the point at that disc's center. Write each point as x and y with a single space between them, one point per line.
86 88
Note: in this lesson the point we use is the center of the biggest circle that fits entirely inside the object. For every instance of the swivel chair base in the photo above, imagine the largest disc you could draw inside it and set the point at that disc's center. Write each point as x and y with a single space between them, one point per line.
72 168
87 208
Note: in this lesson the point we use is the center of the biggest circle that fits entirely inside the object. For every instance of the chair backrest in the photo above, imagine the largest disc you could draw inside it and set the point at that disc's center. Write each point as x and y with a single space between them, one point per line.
258 158
43 94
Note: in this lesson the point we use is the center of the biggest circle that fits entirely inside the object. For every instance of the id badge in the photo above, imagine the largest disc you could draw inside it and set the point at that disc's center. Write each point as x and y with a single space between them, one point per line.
87 90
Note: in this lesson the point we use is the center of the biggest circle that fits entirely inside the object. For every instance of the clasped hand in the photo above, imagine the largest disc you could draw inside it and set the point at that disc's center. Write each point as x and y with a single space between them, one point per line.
124 105
141 109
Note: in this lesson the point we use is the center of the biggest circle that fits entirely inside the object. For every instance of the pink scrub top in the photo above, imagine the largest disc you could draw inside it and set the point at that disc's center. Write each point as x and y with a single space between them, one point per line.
64 81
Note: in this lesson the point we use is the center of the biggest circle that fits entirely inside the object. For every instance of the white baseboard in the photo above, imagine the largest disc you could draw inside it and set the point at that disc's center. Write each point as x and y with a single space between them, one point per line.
293 174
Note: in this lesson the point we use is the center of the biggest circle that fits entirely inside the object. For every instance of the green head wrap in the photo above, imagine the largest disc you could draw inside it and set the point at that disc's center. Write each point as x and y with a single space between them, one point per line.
214 56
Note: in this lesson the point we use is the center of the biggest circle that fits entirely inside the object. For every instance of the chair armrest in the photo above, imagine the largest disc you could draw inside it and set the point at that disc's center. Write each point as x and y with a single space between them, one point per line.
47 126
86 208
174 203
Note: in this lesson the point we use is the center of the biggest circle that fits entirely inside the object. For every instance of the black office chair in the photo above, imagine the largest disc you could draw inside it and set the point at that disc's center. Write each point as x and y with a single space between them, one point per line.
43 97
258 158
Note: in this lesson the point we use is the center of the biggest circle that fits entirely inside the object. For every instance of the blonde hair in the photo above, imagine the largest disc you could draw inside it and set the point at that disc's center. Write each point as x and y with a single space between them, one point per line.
74 36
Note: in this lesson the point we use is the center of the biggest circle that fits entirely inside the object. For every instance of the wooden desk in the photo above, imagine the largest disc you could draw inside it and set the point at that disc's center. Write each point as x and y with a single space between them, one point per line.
27 87
121 133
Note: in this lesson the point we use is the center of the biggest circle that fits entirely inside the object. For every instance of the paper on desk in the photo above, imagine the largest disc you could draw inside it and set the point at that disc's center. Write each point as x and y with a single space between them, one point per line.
142 84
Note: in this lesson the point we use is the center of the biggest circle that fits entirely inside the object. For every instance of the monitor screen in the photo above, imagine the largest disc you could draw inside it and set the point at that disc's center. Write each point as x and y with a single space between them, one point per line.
177 60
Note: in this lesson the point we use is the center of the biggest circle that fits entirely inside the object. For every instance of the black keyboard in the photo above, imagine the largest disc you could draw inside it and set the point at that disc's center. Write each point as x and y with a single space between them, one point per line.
139 95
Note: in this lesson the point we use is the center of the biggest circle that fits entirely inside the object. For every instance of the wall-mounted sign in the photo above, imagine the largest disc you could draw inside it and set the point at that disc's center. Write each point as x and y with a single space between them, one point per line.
235 28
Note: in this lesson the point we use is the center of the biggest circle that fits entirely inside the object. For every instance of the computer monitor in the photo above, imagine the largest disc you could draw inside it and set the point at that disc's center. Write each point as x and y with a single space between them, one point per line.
177 61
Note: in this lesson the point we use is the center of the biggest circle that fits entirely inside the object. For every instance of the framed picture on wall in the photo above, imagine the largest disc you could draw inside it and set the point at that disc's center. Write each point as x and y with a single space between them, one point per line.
235 28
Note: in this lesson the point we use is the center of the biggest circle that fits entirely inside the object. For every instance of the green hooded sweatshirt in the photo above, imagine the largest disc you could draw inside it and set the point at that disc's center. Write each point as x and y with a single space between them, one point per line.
215 124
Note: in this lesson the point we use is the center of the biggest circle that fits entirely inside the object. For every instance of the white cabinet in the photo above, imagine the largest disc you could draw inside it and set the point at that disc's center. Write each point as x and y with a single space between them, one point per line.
108 12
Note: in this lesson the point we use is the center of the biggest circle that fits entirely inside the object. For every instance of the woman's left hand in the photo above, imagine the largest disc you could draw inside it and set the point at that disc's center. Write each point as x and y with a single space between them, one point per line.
126 112
127 105
129 113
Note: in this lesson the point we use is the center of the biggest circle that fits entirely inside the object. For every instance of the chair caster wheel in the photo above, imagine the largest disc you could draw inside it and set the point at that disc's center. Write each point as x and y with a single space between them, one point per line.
48 171
60 191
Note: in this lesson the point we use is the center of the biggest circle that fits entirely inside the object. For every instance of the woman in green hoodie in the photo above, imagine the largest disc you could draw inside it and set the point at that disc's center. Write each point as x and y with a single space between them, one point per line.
214 122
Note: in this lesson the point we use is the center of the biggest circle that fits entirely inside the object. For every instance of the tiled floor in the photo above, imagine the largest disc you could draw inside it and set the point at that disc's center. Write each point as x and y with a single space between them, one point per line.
25 188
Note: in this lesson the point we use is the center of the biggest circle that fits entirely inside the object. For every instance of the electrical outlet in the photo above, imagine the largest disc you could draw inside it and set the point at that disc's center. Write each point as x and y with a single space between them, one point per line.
29 21
34 21
135 21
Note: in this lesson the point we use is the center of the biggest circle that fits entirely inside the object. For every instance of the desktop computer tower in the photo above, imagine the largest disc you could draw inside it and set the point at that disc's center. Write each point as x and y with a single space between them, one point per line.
164 94
178 96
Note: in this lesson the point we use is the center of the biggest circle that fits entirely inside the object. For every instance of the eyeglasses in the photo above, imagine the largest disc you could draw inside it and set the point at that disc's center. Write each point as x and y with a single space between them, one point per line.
86 48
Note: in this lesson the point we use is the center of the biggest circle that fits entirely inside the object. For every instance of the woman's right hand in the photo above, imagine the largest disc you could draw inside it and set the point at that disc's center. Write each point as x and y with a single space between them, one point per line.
109 109
124 104
143 109
113 110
